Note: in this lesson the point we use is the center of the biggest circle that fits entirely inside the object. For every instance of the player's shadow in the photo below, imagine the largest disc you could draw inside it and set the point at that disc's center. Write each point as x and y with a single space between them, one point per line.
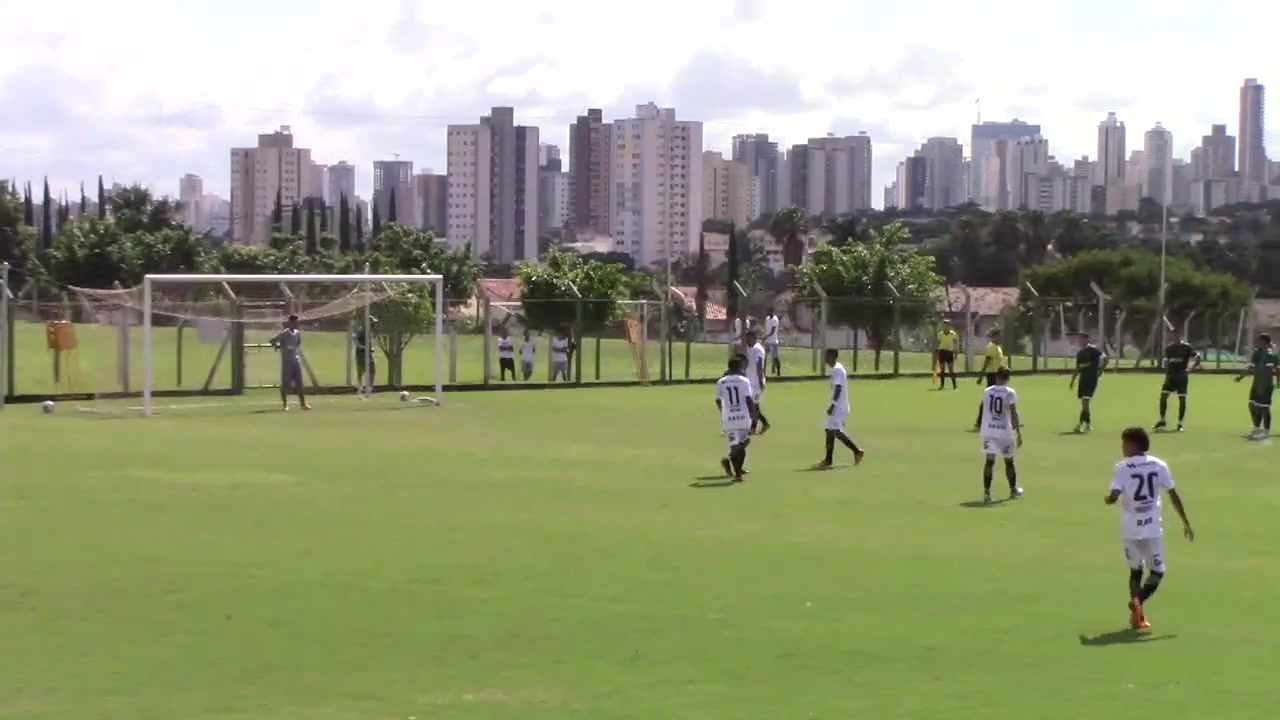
1065 433
983 505
712 481
1122 637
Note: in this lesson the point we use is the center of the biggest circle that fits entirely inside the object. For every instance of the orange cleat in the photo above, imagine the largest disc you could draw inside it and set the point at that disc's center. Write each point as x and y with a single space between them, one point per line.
1137 619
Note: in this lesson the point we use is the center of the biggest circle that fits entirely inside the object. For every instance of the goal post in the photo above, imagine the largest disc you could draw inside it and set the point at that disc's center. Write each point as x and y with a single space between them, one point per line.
152 307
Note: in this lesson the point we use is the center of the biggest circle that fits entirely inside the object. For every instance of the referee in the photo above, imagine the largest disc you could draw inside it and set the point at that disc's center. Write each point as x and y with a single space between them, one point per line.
948 342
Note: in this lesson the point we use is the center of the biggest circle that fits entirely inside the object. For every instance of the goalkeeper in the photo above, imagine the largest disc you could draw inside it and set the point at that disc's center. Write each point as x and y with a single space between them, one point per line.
289 344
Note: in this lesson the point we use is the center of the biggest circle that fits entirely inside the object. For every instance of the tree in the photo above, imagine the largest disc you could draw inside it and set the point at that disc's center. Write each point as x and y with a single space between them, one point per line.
134 209
845 229
84 202
344 225
360 246
15 236
861 280
277 213
102 200
295 219
700 296
402 249
377 223
548 298
391 208
46 217
408 313
28 208
313 238
324 216
791 228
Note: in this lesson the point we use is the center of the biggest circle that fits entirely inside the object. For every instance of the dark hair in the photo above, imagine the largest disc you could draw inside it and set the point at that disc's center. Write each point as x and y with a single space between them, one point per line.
1002 373
293 318
831 352
1137 436
1265 337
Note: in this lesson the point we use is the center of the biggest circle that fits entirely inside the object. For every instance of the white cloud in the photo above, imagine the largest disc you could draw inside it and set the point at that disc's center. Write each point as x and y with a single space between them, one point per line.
145 90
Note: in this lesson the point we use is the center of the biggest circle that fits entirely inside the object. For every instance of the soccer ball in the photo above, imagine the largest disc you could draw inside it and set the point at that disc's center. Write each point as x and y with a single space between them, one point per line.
47 406
404 396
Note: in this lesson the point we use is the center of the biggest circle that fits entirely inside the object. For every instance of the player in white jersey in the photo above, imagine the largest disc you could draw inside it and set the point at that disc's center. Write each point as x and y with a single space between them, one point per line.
1136 485
737 411
756 372
837 413
1001 432
506 357
527 356
771 328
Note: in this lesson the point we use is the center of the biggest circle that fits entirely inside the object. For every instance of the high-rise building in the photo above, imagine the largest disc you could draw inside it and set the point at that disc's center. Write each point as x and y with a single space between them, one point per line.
432 193
1028 170
342 181
1253 150
982 138
553 190
730 190
1080 193
394 178
655 197
910 186
588 183
944 173
797 177
190 191
273 171
761 156
1157 151
1111 150
1217 156
318 182
836 175
493 187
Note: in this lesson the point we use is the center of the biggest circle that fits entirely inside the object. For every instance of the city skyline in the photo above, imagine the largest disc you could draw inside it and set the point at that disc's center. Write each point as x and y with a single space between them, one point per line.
146 115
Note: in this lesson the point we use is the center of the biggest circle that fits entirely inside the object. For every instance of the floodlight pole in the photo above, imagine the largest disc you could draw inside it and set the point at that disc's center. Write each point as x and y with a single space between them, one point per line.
146 346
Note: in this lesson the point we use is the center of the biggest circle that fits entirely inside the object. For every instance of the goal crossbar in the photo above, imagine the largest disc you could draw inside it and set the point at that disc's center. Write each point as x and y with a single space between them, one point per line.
150 281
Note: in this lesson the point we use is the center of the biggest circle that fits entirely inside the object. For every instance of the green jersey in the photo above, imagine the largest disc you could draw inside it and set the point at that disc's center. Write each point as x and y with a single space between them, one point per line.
1263 363
1089 362
1178 357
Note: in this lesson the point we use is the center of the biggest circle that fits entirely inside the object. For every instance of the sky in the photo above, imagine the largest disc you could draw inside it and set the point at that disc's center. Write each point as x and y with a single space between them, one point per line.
146 91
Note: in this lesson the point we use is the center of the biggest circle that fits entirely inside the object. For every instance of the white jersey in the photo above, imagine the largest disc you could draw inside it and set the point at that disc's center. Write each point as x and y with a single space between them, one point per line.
1140 480
733 391
506 349
840 379
998 402
526 351
559 350
771 330
756 367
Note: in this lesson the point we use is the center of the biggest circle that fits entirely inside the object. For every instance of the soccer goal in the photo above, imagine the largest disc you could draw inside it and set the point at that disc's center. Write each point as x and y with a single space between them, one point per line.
176 336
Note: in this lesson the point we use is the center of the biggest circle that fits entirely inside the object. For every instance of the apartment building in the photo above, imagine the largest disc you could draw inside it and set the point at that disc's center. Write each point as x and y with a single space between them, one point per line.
588 185
944 173
394 178
982 139
1157 172
259 175
761 157
836 174
190 192
730 190
493 187
341 179
431 193
1253 151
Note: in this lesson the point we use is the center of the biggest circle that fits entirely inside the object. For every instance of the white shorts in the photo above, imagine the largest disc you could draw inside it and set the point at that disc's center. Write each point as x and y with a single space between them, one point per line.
737 436
759 395
835 421
998 447
772 348
1145 553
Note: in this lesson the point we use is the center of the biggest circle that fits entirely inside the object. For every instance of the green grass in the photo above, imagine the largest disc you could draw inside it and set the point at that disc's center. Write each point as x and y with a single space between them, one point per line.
542 554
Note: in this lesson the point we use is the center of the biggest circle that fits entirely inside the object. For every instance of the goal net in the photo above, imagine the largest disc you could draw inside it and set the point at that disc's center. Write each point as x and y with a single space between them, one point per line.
155 346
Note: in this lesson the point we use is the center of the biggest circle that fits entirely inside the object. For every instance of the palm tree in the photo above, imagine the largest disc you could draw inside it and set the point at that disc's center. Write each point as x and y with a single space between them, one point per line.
791 228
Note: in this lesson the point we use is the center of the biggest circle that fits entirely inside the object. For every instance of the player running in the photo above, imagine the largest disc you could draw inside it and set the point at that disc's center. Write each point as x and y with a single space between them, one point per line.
1180 359
1090 362
756 358
289 343
1001 432
992 362
948 343
837 413
737 411
1137 483
1263 366
771 328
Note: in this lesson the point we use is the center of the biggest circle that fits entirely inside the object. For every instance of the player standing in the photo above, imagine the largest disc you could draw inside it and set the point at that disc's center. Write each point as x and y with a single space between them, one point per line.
560 358
527 355
837 413
364 354
992 362
948 343
1263 366
1001 432
771 328
506 357
756 373
289 343
1137 483
737 413
1090 362
1180 359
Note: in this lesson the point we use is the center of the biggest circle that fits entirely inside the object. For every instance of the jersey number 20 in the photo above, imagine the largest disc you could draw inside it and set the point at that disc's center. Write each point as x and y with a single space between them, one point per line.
1146 490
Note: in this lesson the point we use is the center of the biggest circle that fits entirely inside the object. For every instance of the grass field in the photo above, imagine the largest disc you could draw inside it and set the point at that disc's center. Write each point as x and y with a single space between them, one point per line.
572 555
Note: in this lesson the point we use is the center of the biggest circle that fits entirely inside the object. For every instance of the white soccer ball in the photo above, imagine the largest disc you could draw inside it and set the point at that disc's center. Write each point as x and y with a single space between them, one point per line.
404 396
47 406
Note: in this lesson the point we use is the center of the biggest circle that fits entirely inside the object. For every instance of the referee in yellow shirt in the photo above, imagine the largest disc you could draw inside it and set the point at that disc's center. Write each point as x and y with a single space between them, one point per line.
948 342
992 360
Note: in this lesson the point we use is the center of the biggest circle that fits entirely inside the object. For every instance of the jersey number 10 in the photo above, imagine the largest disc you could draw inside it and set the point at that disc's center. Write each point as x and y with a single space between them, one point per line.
997 405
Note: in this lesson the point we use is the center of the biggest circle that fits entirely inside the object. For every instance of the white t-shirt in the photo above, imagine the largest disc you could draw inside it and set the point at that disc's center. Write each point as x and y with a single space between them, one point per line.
526 351
840 379
738 328
559 350
997 420
756 362
771 329
733 391
1140 480
505 348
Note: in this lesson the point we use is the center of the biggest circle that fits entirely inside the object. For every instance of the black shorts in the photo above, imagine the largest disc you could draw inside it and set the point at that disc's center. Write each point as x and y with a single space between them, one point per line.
1261 396
946 357
991 379
1086 388
507 364
1175 385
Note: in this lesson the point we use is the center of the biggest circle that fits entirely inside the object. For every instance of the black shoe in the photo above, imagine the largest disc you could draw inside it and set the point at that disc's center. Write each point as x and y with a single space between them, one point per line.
727 466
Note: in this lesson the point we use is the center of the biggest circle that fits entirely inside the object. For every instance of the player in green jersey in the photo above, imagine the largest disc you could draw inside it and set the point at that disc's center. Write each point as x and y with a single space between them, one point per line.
1262 368
1180 359
1090 361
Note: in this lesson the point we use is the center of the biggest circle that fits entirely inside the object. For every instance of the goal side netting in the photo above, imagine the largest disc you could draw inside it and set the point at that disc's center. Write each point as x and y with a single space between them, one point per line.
362 339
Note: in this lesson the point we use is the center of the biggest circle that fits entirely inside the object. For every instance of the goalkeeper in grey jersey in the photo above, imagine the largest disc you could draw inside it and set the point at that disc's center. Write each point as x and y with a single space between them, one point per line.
289 345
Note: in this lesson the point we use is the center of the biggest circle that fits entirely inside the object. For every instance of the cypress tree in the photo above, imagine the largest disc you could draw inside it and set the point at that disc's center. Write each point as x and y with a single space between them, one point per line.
700 299
377 223
295 219
359 229
277 214
732 294
28 208
313 241
84 202
46 215
102 200
324 216
391 208
344 225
